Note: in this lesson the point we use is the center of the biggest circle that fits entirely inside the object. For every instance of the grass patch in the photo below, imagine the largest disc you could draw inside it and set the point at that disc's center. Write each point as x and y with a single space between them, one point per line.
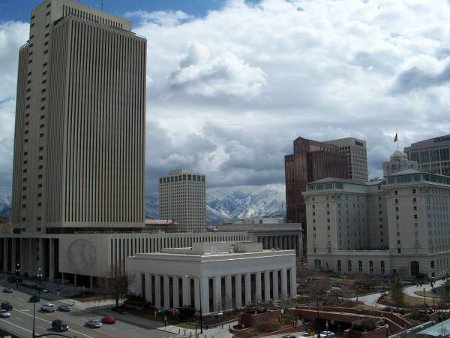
185 325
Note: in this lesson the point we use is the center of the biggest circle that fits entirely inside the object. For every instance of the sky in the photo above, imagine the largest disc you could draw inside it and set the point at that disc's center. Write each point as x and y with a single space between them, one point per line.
231 83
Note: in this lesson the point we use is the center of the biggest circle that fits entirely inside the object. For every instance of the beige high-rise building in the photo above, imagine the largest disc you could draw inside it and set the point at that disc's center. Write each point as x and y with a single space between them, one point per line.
356 152
182 198
80 122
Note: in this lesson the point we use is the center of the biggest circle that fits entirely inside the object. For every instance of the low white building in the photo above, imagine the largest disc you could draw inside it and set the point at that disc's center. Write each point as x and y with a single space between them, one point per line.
220 276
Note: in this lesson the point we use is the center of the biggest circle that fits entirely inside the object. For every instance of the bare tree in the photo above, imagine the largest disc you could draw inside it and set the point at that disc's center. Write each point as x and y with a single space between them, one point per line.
116 282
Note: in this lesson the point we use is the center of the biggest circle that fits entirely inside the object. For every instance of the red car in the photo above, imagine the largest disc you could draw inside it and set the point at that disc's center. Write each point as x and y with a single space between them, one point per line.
108 320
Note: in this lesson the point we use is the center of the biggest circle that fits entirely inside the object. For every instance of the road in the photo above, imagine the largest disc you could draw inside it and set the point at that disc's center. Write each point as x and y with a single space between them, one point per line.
21 321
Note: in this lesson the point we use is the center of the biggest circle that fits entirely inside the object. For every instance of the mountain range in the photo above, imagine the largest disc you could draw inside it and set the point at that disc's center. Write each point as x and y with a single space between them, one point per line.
224 203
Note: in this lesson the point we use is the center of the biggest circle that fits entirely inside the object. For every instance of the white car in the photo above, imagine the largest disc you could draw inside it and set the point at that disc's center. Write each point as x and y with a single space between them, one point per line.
48 307
5 314
326 334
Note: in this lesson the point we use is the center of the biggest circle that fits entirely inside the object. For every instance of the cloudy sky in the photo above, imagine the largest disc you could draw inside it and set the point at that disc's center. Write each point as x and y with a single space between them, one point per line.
230 84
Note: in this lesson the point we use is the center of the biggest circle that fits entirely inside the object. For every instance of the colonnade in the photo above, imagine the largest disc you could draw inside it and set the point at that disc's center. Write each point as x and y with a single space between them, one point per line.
218 293
282 242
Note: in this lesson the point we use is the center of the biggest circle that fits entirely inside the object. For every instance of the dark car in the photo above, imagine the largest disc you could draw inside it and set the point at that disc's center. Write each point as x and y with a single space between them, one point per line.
6 306
59 326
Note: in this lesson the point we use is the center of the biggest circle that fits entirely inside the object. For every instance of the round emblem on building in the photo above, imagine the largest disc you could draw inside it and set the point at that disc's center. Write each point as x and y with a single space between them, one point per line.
82 254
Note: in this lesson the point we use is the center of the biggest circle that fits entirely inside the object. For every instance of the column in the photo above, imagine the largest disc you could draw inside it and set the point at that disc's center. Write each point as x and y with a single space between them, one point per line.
136 287
75 279
21 258
197 291
205 295
158 291
148 287
228 293
284 294
186 292
267 286
176 292
51 260
238 286
13 255
217 294
275 285
5 254
293 285
166 292
91 282
248 289
258 294
41 257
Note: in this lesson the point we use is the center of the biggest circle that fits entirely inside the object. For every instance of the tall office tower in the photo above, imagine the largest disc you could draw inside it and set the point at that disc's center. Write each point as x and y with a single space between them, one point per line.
398 162
80 122
356 152
311 161
182 198
432 155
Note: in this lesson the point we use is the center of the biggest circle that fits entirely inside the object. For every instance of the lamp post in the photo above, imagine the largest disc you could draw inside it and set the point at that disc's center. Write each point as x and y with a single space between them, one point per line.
17 275
39 276
200 291
424 302
387 330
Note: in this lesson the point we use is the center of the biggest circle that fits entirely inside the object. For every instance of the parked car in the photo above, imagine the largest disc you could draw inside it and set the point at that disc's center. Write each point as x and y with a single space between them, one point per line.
59 326
6 306
94 323
48 307
108 320
34 299
64 308
326 334
5 313
8 290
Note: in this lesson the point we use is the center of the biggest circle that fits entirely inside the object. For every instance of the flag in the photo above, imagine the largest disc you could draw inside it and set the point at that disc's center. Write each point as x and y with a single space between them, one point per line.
395 138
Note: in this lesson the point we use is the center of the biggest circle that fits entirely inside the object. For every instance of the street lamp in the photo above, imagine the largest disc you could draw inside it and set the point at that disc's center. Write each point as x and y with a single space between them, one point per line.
387 330
17 275
200 291
39 276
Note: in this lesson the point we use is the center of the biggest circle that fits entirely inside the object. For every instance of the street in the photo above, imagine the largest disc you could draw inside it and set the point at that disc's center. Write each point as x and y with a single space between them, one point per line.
21 321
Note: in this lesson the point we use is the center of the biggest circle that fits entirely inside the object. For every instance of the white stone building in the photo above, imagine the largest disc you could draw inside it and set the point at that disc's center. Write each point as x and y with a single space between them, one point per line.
182 198
273 233
398 225
398 162
220 276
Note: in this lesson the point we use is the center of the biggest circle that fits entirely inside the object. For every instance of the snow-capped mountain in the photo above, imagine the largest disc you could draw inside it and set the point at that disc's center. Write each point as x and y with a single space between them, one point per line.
5 203
222 203
245 202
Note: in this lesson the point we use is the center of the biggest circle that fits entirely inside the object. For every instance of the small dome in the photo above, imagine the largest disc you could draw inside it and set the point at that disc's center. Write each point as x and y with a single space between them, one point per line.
398 153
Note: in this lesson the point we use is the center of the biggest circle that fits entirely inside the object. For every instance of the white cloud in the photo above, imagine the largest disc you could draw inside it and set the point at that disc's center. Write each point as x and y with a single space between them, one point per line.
205 74
230 91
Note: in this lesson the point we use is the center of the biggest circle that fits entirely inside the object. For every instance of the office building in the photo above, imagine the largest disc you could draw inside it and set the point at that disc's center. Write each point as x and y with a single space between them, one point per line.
182 198
398 225
356 152
80 122
432 155
214 276
312 160
398 162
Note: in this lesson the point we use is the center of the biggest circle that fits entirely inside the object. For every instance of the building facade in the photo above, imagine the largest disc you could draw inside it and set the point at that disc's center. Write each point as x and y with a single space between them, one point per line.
356 152
80 122
182 198
219 276
432 155
273 233
397 226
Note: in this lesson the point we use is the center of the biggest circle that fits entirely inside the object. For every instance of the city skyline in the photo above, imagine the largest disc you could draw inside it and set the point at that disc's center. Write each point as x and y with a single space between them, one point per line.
215 93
